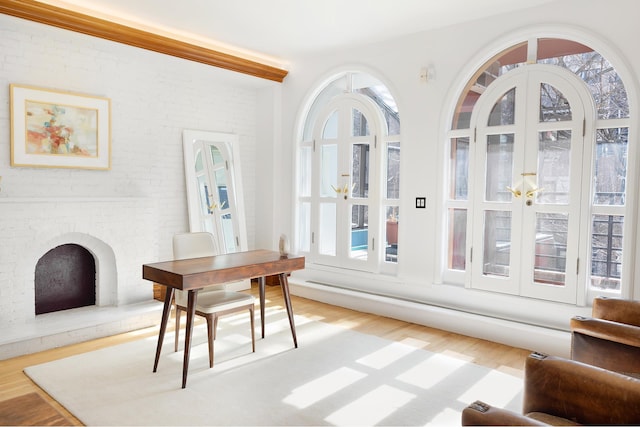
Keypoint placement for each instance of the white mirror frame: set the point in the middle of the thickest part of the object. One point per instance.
(230, 141)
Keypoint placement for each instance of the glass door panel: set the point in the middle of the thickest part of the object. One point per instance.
(360, 125)
(606, 251)
(327, 210)
(551, 248)
(228, 233)
(612, 145)
(392, 210)
(497, 243)
(360, 171)
(221, 186)
(329, 170)
(304, 175)
(359, 246)
(330, 130)
(504, 111)
(499, 176)
(304, 227)
(554, 167)
(457, 239)
(327, 241)
(391, 233)
(393, 171)
(216, 155)
(554, 107)
(203, 191)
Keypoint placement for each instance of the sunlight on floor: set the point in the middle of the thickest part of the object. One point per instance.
(318, 389)
(457, 355)
(378, 404)
(432, 371)
(448, 417)
(496, 387)
(372, 407)
(386, 355)
(348, 324)
(414, 342)
(511, 371)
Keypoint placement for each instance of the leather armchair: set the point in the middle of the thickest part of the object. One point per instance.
(610, 338)
(560, 391)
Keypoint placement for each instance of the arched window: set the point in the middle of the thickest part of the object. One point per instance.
(348, 185)
(538, 165)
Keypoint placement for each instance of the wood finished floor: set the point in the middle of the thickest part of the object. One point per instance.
(16, 387)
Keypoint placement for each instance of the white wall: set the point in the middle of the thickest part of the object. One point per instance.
(453, 53)
(153, 98)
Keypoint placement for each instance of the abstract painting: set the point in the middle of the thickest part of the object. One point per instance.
(59, 129)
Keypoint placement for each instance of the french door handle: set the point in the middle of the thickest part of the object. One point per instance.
(516, 193)
(533, 191)
(342, 190)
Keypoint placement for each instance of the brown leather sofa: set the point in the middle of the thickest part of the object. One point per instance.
(559, 391)
(610, 338)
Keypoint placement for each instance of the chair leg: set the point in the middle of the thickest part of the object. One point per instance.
(178, 315)
(215, 326)
(212, 321)
(253, 329)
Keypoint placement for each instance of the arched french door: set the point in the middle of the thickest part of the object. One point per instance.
(529, 208)
(345, 207)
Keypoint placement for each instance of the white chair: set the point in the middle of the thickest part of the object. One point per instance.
(211, 302)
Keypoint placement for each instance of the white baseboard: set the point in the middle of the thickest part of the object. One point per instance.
(515, 334)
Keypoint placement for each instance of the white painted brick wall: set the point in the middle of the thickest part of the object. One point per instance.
(154, 98)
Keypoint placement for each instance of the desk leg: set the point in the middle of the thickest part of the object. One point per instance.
(284, 284)
(191, 311)
(261, 283)
(163, 324)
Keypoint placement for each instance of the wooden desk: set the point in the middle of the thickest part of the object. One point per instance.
(194, 274)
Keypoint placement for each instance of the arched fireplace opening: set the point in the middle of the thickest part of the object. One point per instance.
(65, 278)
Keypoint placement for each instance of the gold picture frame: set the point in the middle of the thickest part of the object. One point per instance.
(56, 129)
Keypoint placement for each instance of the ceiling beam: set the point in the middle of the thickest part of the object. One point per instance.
(74, 21)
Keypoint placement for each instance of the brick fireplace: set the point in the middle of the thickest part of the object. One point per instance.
(120, 234)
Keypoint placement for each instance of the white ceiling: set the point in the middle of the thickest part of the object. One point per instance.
(278, 30)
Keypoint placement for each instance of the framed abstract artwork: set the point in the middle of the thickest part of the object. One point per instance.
(56, 129)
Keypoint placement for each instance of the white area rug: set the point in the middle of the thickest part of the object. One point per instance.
(335, 377)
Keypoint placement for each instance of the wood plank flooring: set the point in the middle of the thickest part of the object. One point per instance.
(16, 385)
(30, 409)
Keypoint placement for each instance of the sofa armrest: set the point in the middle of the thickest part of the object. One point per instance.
(607, 330)
(482, 414)
(579, 392)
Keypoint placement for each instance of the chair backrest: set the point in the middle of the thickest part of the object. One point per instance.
(194, 245)
(617, 310)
